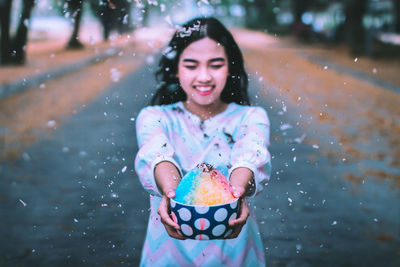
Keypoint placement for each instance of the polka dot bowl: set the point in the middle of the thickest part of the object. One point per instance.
(205, 222)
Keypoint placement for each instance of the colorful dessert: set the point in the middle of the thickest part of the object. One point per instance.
(204, 185)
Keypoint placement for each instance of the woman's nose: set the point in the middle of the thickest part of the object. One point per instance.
(204, 75)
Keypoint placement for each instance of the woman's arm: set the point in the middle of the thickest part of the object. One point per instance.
(242, 182)
(167, 178)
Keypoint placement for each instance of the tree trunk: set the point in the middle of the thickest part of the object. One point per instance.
(5, 11)
(76, 10)
(355, 32)
(21, 38)
(397, 14)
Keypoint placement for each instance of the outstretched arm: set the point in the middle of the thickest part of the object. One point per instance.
(242, 181)
(167, 179)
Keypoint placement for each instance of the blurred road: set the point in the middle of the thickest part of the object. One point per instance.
(71, 197)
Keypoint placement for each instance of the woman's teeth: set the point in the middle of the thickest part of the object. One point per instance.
(203, 88)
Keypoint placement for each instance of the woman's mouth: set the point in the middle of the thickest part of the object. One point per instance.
(204, 90)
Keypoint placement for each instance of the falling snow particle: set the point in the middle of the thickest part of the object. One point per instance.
(22, 202)
(375, 220)
(315, 146)
(285, 126)
(162, 7)
(294, 159)
(374, 70)
(115, 75)
(325, 67)
(334, 223)
(51, 123)
(123, 169)
(168, 20)
(75, 220)
(356, 59)
(132, 119)
(300, 139)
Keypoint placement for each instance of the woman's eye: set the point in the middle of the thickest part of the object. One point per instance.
(216, 66)
(190, 67)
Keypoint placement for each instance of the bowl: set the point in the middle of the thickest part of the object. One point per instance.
(205, 222)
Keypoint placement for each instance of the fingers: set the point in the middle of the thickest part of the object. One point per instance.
(164, 212)
(238, 223)
(169, 220)
(238, 191)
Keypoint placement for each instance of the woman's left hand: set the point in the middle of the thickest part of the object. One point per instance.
(242, 182)
(238, 223)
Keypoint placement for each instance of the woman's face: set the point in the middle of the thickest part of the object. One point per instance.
(202, 72)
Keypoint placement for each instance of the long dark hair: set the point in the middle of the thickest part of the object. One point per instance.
(169, 90)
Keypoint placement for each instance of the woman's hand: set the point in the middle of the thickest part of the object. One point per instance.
(242, 182)
(238, 223)
(167, 218)
(167, 178)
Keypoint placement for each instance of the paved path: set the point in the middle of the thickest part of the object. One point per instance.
(74, 199)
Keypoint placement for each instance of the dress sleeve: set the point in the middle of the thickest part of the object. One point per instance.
(251, 146)
(154, 146)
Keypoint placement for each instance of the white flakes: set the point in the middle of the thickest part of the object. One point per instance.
(51, 123)
(315, 146)
(290, 200)
(150, 59)
(374, 70)
(294, 159)
(162, 7)
(285, 126)
(65, 149)
(334, 223)
(325, 67)
(132, 119)
(22, 202)
(375, 220)
(300, 139)
(168, 20)
(115, 75)
(104, 205)
(75, 220)
(355, 59)
(124, 169)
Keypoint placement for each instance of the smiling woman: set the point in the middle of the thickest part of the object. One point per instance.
(200, 115)
(203, 77)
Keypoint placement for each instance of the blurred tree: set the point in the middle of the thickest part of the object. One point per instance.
(13, 49)
(353, 25)
(113, 14)
(397, 15)
(299, 28)
(259, 13)
(74, 7)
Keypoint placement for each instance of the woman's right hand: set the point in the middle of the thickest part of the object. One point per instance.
(168, 218)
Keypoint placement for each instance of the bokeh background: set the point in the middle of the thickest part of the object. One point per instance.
(75, 74)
